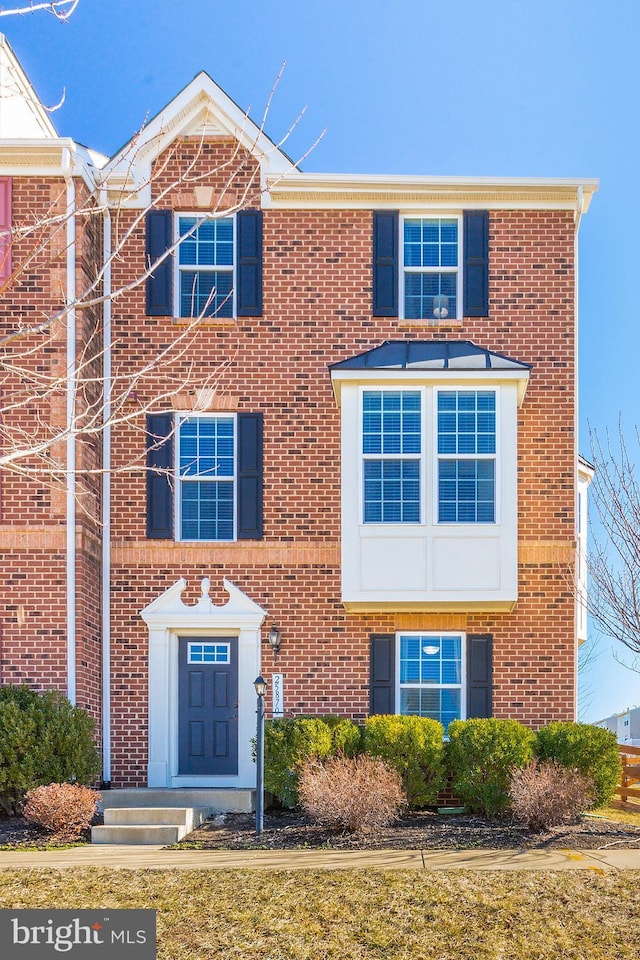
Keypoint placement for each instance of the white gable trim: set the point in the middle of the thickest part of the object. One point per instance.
(23, 113)
(169, 618)
(202, 108)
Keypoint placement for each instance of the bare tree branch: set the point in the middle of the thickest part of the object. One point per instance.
(61, 9)
(614, 554)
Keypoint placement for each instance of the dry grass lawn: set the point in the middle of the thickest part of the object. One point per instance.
(353, 915)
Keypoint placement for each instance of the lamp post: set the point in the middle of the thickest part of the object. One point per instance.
(260, 685)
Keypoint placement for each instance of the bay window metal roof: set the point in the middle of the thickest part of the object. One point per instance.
(430, 355)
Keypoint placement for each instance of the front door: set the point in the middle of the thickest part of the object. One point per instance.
(208, 706)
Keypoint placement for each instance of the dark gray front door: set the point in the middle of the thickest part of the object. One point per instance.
(208, 706)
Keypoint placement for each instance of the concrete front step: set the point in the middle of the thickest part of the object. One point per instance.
(216, 800)
(189, 817)
(138, 825)
(130, 834)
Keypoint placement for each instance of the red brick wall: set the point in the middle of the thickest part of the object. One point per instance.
(317, 310)
(33, 616)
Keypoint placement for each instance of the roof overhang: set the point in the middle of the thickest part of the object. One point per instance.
(398, 363)
(61, 157)
(352, 191)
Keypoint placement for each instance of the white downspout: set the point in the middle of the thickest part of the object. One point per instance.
(106, 495)
(70, 424)
(576, 423)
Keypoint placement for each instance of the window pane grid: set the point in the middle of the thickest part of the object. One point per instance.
(206, 471)
(430, 262)
(431, 676)
(205, 267)
(466, 481)
(391, 447)
(208, 653)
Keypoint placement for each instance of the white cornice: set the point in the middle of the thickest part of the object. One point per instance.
(371, 191)
(46, 158)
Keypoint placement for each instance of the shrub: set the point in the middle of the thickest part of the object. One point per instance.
(43, 739)
(482, 756)
(412, 746)
(346, 736)
(288, 743)
(545, 794)
(592, 751)
(355, 794)
(66, 809)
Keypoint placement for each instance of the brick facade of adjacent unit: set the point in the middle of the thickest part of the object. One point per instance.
(317, 310)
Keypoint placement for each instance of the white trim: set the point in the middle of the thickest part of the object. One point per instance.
(168, 618)
(428, 457)
(71, 414)
(496, 457)
(106, 499)
(403, 270)
(462, 686)
(178, 480)
(179, 268)
(483, 378)
(362, 456)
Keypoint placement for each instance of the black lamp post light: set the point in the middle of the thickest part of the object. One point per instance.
(260, 685)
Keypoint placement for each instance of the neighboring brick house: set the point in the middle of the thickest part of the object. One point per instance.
(368, 444)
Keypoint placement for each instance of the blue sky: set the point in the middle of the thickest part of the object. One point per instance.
(486, 87)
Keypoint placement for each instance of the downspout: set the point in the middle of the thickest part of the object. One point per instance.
(70, 425)
(576, 426)
(106, 495)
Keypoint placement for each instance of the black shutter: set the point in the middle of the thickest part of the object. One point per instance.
(385, 263)
(479, 670)
(159, 283)
(382, 674)
(476, 263)
(159, 474)
(249, 263)
(249, 476)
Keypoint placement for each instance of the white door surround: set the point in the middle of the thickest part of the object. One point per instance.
(167, 618)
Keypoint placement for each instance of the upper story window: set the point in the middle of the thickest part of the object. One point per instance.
(399, 455)
(391, 446)
(431, 275)
(205, 266)
(433, 268)
(466, 456)
(206, 469)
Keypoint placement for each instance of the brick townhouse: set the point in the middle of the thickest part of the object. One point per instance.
(356, 474)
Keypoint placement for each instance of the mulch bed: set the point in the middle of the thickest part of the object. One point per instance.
(287, 830)
(17, 833)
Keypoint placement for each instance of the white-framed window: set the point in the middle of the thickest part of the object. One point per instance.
(431, 675)
(204, 264)
(205, 477)
(401, 458)
(466, 451)
(431, 274)
(391, 451)
(198, 652)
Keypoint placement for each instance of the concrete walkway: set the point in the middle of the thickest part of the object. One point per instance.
(157, 858)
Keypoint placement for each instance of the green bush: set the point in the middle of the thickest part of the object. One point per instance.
(413, 746)
(482, 755)
(346, 736)
(288, 743)
(592, 751)
(43, 739)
